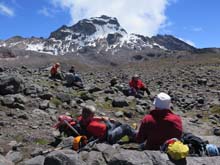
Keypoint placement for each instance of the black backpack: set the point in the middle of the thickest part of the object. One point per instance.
(195, 143)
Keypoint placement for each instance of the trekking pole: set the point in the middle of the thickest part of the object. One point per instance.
(73, 129)
(90, 144)
(50, 150)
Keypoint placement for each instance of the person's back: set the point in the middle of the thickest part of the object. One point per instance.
(160, 125)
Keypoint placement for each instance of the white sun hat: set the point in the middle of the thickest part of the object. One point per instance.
(162, 101)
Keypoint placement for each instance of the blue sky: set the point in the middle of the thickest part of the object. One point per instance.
(194, 21)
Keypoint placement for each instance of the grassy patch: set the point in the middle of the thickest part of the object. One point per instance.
(215, 109)
(56, 101)
(19, 138)
(106, 105)
(41, 141)
(132, 104)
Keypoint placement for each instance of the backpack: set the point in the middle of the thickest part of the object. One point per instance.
(79, 142)
(195, 143)
(175, 149)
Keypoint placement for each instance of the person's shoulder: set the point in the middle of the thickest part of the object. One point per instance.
(176, 116)
(147, 118)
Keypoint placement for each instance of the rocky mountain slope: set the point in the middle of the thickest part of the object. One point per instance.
(101, 34)
(30, 103)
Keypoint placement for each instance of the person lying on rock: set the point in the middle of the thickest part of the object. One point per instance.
(55, 72)
(103, 128)
(73, 79)
(160, 125)
(137, 87)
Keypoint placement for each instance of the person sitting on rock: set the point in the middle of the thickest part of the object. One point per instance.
(137, 87)
(55, 72)
(160, 125)
(72, 69)
(73, 79)
(113, 81)
(104, 128)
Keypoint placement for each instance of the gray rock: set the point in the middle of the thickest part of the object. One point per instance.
(140, 109)
(64, 97)
(23, 115)
(203, 160)
(202, 81)
(216, 132)
(38, 160)
(46, 96)
(4, 161)
(20, 99)
(94, 89)
(10, 84)
(87, 96)
(8, 101)
(119, 102)
(14, 156)
(119, 114)
(64, 157)
(66, 142)
(51, 111)
(44, 105)
(93, 158)
(33, 89)
(109, 91)
(128, 157)
(39, 112)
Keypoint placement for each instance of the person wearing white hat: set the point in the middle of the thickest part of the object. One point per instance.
(160, 125)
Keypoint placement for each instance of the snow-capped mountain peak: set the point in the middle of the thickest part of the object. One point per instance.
(101, 33)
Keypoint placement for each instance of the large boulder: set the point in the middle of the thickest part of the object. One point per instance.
(63, 157)
(11, 84)
(4, 161)
(38, 160)
(119, 102)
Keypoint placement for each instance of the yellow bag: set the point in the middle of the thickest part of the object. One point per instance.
(79, 142)
(177, 150)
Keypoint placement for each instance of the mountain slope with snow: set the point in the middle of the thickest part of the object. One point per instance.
(100, 33)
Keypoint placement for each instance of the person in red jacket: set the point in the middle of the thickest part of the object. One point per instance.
(137, 87)
(55, 71)
(160, 125)
(103, 128)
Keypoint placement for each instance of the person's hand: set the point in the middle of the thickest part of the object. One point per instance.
(107, 118)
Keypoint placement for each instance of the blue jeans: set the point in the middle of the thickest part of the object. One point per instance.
(117, 132)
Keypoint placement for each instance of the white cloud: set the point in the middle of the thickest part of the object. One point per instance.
(188, 42)
(197, 29)
(45, 11)
(142, 16)
(6, 10)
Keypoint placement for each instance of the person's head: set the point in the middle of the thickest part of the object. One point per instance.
(72, 67)
(135, 77)
(162, 101)
(114, 78)
(57, 64)
(88, 111)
